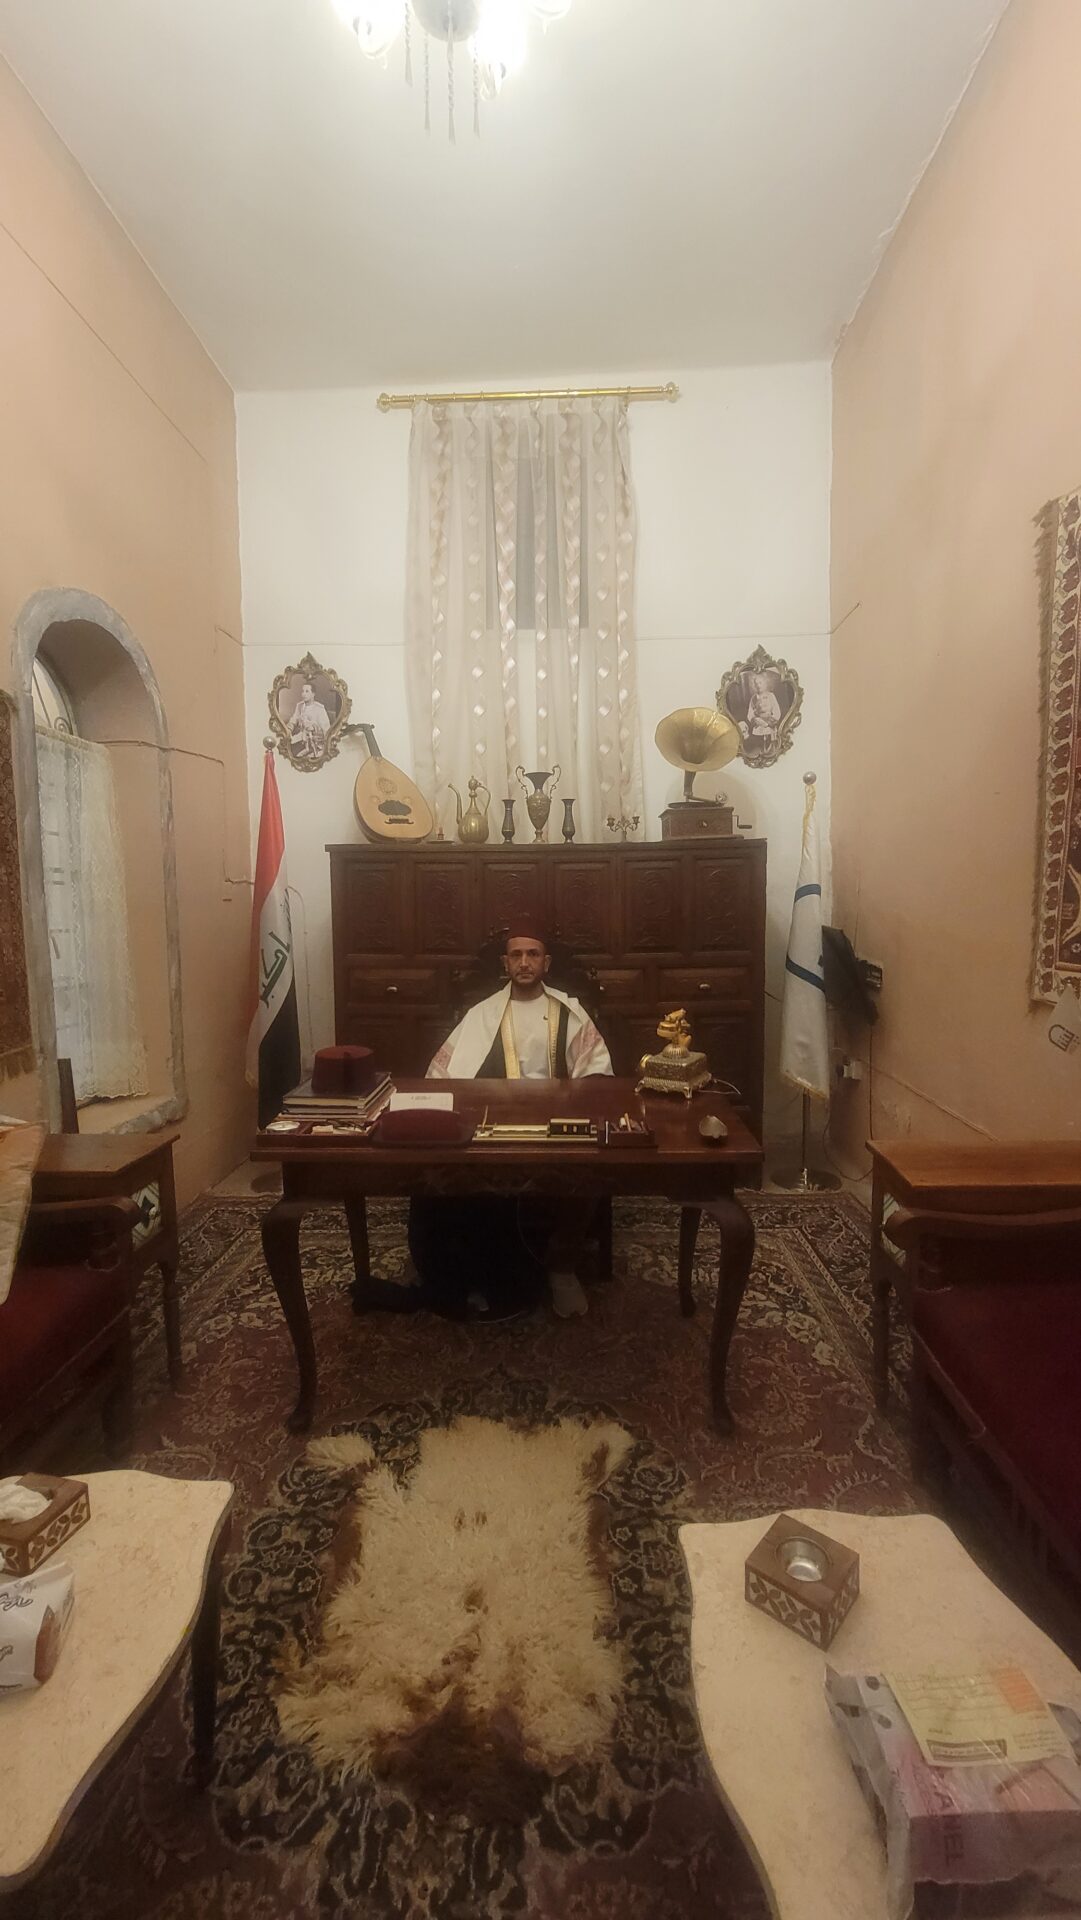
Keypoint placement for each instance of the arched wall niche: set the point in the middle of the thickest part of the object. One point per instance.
(112, 685)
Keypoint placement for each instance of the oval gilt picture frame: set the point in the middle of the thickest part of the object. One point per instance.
(763, 697)
(309, 706)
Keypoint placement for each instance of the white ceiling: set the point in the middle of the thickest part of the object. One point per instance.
(666, 184)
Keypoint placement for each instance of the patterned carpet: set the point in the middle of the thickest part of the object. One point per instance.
(640, 1835)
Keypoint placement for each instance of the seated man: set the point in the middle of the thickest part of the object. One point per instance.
(527, 1030)
(489, 1257)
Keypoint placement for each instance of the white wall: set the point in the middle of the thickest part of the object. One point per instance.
(732, 484)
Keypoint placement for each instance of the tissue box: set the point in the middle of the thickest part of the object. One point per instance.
(35, 1614)
(24, 1544)
(995, 1838)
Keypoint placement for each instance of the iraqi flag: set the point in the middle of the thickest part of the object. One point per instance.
(273, 1062)
(805, 1052)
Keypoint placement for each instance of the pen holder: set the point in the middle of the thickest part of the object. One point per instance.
(617, 1136)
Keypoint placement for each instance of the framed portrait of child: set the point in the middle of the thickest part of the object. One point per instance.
(762, 697)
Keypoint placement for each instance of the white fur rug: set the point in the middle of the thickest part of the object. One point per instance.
(471, 1609)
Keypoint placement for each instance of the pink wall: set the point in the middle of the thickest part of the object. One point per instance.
(957, 414)
(119, 478)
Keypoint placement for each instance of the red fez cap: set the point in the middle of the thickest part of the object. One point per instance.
(526, 926)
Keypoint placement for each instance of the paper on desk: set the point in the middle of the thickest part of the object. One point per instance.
(969, 1719)
(434, 1102)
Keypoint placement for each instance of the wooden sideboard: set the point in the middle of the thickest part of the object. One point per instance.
(661, 925)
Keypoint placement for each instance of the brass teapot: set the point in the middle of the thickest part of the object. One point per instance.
(473, 822)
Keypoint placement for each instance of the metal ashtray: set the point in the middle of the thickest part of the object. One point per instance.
(803, 1559)
(713, 1131)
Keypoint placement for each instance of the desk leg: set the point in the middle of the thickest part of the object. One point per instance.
(880, 1296)
(690, 1219)
(356, 1215)
(281, 1247)
(170, 1306)
(205, 1640)
(737, 1252)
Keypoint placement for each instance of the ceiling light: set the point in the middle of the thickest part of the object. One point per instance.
(376, 23)
(500, 42)
(495, 33)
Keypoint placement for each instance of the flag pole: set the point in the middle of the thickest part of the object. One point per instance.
(805, 1178)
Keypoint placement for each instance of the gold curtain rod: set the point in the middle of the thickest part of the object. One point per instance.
(389, 401)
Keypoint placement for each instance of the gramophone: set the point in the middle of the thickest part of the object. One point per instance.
(697, 740)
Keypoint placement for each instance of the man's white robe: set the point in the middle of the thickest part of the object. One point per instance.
(464, 1051)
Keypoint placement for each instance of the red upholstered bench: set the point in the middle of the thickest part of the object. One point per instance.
(996, 1322)
(65, 1328)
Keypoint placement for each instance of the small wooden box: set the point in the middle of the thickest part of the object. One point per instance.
(803, 1579)
(636, 1136)
(696, 820)
(24, 1544)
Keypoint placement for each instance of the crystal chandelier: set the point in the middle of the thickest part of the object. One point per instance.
(495, 33)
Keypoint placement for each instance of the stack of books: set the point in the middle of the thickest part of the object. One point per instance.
(303, 1104)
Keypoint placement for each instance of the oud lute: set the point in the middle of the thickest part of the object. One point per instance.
(388, 804)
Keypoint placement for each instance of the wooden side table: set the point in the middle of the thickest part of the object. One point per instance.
(133, 1166)
(985, 1176)
(147, 1568)
(779, 1762)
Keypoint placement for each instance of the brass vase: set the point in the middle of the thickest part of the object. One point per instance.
(538, 803)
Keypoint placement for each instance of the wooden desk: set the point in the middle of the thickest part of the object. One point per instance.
(986, 1176)
(320, 1168)
(779, 1761)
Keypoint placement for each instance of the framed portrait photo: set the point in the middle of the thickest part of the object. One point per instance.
(309, 707)
(762, 696)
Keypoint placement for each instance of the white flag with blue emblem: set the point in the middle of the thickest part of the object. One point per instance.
(805, 1050)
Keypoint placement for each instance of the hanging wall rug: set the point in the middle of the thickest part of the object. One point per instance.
(1058, 884)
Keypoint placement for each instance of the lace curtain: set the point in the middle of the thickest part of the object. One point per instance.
(87, 913)
(520, 606)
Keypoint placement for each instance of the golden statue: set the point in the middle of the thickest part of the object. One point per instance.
(678, 1068)
(675, 1028)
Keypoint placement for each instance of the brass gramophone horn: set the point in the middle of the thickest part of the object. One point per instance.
(697, 740)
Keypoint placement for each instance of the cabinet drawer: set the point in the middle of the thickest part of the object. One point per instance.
(622, 986)
(653, 905)
(403, 984)
(369, 904)
(690, 986)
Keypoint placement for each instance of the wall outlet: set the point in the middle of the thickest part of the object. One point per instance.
(852, 1070)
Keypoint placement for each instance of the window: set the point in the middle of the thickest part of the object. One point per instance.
(85, 902)
(52, 706)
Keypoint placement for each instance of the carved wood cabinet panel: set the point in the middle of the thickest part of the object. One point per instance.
(660, 927)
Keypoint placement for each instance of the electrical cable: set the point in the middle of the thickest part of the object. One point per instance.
(854, 1178)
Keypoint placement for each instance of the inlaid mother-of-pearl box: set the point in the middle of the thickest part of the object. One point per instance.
(803, 1579)
(24, 1544)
